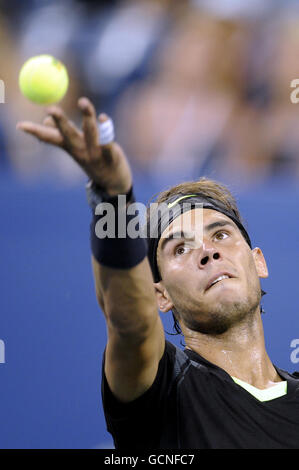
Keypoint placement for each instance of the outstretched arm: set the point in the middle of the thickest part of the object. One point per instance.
(135, 332)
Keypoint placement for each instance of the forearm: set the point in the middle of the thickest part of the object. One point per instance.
(127, 297)
(123, 277)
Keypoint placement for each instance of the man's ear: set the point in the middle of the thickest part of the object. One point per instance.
(260, 263)
(163, 299)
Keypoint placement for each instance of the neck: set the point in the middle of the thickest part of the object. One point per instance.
(240, 351)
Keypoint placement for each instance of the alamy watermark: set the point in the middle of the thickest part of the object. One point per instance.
(294, 94)
(295, 353)
(2, 92)
(135, 221)
(2, 352)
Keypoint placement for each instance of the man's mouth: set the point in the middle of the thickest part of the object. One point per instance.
(217, 278)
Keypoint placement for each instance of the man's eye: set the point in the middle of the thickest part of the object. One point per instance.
(221, 235)
(180, 250)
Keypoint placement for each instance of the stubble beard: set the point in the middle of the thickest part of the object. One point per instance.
(220, 320)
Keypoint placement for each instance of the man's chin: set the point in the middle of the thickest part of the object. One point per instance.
(214, 326)
(222, 316)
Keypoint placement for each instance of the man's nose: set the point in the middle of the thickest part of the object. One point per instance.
(208, 254)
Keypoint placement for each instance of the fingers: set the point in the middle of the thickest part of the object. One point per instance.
(49, 121)
(69, 131)
(42, 132)
(56, 129)
(103, 117)
(90, 127)
(106, 129)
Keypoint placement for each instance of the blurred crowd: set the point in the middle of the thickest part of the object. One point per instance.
(195, 87)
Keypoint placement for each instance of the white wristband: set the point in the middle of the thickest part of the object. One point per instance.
(106, 130)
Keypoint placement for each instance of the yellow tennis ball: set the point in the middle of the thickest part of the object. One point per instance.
(43, 79)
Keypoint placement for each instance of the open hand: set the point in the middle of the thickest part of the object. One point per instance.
(106, 165)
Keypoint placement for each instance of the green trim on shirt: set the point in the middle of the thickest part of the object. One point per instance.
(276, 391)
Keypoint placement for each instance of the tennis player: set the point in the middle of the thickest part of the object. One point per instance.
(222, 390)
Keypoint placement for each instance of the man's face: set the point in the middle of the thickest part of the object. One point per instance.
(213, 246)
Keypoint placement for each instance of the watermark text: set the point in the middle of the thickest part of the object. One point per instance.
(135, 221)
(295, 353)
(2, 92)
(2, 352)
